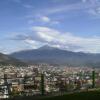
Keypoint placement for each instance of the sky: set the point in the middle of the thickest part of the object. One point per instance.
(66, 24)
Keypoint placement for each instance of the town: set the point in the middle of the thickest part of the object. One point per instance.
(44, 79)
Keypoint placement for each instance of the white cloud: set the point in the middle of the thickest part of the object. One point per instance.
(33, 44)
(49, 21)
(88, 6)
(45, 19)
(46, 33)
(94, 9)
(42, 19)
(63, 40)
(67, 40)
(63, 8)
(56, 22)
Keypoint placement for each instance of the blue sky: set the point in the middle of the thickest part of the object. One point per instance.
(67, 24)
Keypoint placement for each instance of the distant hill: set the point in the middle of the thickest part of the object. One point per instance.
(51, 55)
(7, 60)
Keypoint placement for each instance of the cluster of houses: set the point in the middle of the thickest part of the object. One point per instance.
(37, 80)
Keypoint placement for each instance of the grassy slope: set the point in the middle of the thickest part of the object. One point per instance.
(93, 95)
(78, 96)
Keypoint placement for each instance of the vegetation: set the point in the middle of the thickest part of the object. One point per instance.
(91, 95)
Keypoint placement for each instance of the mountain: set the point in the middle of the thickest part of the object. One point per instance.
(51, 55)
(46, 47)
(7, 60)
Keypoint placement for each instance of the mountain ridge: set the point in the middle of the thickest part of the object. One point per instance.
(8, 60)
(53, 55)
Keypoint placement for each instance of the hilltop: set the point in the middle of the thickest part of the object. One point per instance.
(52, 55)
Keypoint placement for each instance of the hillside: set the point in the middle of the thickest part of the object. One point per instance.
(90, 95)
(53, 55)
(7, 60)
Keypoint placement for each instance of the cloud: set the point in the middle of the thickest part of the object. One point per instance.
(34, 44)
(63, 40)
(42, 19)
(62, 8)
(25, 5)
(48, 20)
(55, 22)
(94, 9)
(44, 12)
(91, 7)
(45, 19)
(68, 40)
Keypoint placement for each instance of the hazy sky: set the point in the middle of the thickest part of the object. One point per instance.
(67, 24)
